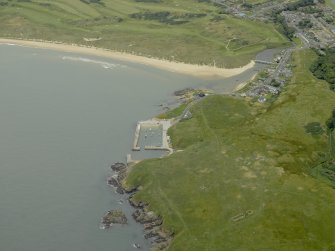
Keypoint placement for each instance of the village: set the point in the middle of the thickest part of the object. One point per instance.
(307, 23)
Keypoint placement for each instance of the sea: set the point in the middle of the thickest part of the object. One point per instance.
(64, 119)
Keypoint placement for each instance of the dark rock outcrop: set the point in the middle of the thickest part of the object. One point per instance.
(120, 170)
(152, 225)
(183, 91)
(118, 166)
(152, 222)
(113, 217)
(112, 181)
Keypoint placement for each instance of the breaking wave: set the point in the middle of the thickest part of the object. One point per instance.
(103, 64)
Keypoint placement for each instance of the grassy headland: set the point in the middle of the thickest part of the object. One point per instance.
(242, 180)
(188, 31)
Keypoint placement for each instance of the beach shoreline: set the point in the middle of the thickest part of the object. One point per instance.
(201, 71)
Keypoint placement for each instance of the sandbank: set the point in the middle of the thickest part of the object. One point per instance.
(202, 71)
(244, 84)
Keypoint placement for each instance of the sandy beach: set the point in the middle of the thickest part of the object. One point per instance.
(202, 71)
(244, 84)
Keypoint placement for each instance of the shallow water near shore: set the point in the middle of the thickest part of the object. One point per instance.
(63, 122)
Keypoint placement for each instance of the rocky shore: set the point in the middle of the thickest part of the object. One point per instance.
(152, 223)
(120, 173)
(113, 217)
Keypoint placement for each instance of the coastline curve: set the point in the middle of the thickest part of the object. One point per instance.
(200, 71)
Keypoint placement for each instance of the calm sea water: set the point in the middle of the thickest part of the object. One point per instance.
(63, 120)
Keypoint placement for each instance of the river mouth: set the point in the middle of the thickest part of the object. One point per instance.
(229, 85)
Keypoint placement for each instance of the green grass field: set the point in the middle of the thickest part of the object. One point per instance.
(242, 180)
(331, 3)
(189, 31)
